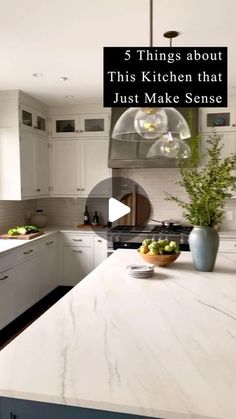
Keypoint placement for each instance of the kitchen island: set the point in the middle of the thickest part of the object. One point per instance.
(162, 347)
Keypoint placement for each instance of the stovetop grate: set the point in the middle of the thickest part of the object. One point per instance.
(152, 228)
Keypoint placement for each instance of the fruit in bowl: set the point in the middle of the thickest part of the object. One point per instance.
(160, 252)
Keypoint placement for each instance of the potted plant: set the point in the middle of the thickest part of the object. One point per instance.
(208, 189)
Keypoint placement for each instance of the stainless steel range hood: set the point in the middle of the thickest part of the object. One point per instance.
(130, 155)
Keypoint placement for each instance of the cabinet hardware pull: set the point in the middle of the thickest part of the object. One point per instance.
(233, 125)
(82, 189)
(28, 251)
(77, 251)
(77, 240)
(77, 130)
(13, 416)
(78, 189)
(5, 277)
(47, 244)
(99, 241)
(81, 130)
(38, 190)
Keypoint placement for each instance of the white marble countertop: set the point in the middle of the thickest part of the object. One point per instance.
(6, 245)
(160, 347)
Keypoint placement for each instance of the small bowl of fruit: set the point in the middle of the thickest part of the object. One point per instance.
(160, 252)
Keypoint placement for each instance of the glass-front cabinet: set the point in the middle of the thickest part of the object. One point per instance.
(33, 120)
(220, 119)
(85, 125)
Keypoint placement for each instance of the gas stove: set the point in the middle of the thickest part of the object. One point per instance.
(131, 237)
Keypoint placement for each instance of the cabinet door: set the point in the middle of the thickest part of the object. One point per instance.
(100, 250)
(94, 125)
(42, 166)
(65, 126)
(49, 262)
(26, 290)
(7, 286)
(28, 165)
(94, 166)
(77, 263)
(64, 168)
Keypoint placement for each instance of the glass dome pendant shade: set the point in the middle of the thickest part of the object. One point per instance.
(149, 124)
(169, 146)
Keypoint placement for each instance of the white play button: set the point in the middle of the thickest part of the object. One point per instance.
(117, 210)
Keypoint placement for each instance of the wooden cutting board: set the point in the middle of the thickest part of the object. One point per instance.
(22, 236)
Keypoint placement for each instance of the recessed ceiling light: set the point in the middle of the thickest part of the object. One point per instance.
(69, 97)
(64, 78)
(38, 74)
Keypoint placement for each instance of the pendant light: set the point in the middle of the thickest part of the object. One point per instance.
(149, 124)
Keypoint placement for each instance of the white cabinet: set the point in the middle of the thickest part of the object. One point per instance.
(63, 168)
(34, 165)
(77, 166)
(227, 245)
(99, 250)
(7, 286)
(82, 253)
(84, 125)
(24, 164)
(49, 262)
(223, 120)
(33, 120)
(78, 257)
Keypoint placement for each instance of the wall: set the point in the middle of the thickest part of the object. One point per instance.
(68, 212)
(157, 181)
(14, 213)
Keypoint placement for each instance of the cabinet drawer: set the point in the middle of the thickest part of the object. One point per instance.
(78, 239)
(227, 246)
(27, 252)
(6, 260)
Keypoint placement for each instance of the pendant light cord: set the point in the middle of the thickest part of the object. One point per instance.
(151, 23)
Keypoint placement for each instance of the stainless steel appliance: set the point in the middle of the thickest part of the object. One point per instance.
(131, 237)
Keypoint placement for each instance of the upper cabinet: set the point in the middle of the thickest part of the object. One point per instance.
(24, 162)
(80, 126)
(222, 120)
(77, 166)
(33, 120)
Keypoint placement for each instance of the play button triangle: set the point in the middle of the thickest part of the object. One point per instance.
(116, 209)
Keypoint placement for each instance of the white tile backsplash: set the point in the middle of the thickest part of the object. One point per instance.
(68, 212)
(14, 213)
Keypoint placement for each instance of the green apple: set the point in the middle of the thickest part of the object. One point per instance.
(147, 242)
(168, 248)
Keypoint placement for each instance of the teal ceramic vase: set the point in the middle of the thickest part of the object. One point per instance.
(204, 243)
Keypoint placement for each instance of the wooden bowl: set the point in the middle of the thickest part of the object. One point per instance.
(160, 260)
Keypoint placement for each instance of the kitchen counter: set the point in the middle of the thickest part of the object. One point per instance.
(162, 347)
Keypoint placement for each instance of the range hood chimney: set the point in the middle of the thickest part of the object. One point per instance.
(134, 154)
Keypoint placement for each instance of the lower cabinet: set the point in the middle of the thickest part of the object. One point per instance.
(26, 290)
(82, 253)
(30, 272)
(78, 262)
(227, 245)
(99, 250)
(8, 281)
(49, 265)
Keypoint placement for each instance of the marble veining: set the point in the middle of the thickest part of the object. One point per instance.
(160, 347)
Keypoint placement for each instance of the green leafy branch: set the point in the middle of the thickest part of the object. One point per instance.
(209, 188)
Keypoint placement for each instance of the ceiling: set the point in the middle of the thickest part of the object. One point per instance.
(66, 38)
